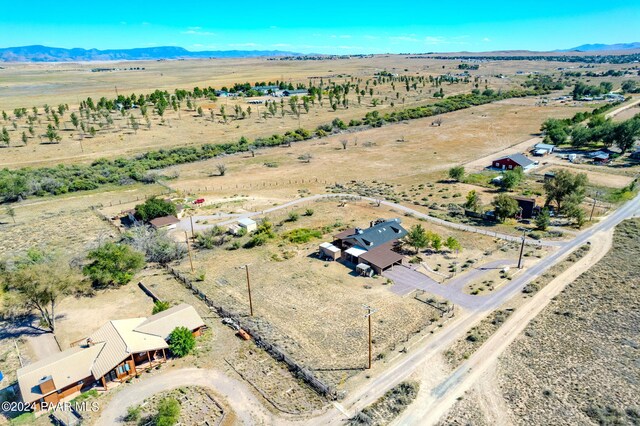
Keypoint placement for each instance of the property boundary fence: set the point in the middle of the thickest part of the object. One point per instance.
(273, 350)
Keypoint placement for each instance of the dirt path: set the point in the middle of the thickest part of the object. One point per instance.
(491, 402)
(247, 408)
(430, 407)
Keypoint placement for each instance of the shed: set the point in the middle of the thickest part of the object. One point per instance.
(364, 269)
(527, 206)
(544, 148)
(329, 251)
(168, 222)
(249, 224)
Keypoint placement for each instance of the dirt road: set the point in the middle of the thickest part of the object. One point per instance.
(430, 406)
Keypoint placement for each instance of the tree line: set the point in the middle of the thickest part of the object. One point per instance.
(25, 182)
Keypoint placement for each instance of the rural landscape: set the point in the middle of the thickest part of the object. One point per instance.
(269, 237)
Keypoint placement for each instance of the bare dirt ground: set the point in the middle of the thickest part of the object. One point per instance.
(576, 362)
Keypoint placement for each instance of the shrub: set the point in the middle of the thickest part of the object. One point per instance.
(159, 306)
(302, 235)
(181, 341)
(133, 414)
(293, 217)
(168, 412)
(157, 245)
(113, 264)
(308, 212)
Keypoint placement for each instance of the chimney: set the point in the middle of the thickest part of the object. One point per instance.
(89, 341)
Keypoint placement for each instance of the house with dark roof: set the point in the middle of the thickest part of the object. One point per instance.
(512, 161)
(371, 249)
(114, 353)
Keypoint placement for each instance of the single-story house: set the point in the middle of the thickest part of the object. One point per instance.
(372, 246)
(249, 224)
(168, 222)
(599, 156)
(266, 89)
(510, 162)
(329, 251)
(542, 149)
(113, 353)
(527, 207)
(296, 92)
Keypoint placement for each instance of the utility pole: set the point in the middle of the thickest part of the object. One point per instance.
(593, 207)
(191, 219)
(246, 267)
(521, 251)
(370, 312)
(186, 240)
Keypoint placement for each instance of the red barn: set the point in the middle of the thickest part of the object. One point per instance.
(510, 162)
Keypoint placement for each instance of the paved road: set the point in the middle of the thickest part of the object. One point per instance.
(407, 280)
(222, 219)
(435, 401)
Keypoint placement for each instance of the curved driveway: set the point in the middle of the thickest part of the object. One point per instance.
(245, 405)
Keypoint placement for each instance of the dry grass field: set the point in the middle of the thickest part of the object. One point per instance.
(34, 85)
(577, 361)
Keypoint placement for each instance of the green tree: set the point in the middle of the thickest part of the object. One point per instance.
(453, 244)
(563, 185)
(113, 264)
(436, 242)
(52, 135)
(181, 341)
(25, 139)
(580, 136)
(504, 207)
(473, 201)
(417, 237)
(512, 178)
(159, 306)
(456, 173)
(625, 134)
(75, 121)
(155, 207)
(543, 220)
(38, 284)
(6, 139)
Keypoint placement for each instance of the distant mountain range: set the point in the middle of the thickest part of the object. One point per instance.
(57, 54)
(39, 53)
(600, 47)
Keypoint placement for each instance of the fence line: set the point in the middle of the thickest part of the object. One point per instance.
(273, 350)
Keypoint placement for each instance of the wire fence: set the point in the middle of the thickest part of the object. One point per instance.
(272, 349)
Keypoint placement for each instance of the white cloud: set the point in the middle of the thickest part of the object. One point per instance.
(281, 45)
(198, 31)
(486, 39)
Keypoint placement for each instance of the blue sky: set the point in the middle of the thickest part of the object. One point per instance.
(326, 26)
